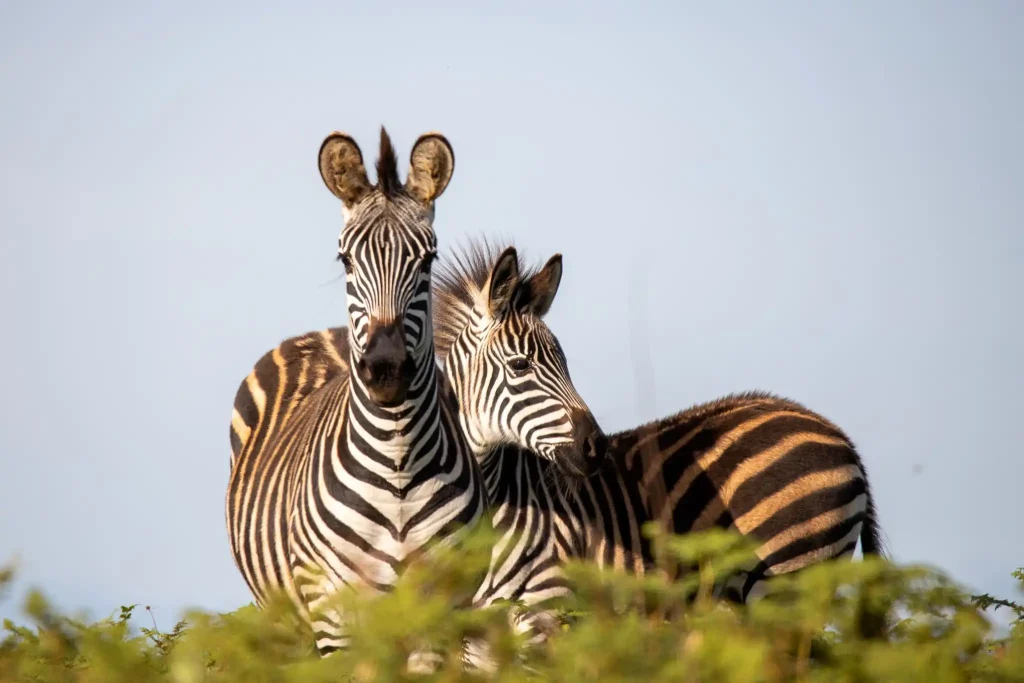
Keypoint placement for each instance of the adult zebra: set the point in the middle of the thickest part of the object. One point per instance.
(764, 465)
(353, 473)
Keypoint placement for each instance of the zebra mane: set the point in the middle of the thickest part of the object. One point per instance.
(387, 166)
(458, 286)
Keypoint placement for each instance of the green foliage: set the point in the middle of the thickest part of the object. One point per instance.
(823, 624)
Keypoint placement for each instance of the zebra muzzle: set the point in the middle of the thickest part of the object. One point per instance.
(585, 455)
(386, 368)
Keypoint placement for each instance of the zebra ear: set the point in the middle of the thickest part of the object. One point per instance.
(432, 163)
(502, 283)
(538, 293)
(342, 170)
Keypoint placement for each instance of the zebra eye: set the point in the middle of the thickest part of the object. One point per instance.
(519, 365)
(345, 261)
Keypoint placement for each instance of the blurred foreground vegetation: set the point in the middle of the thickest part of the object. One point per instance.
(812, 627)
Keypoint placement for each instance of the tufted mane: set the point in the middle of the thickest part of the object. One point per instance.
(387, 166)
(458, 284)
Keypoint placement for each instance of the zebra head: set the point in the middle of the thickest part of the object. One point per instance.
(387, 246)
(506, 369)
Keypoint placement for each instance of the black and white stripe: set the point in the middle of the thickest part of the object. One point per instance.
(346, 462)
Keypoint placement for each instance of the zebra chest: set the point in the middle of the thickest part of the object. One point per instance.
(392, 515)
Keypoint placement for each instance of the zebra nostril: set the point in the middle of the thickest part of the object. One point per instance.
(596, 446)
(379, 369)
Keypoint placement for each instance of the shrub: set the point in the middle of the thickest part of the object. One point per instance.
(820, 624)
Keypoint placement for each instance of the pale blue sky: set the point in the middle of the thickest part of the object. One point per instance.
(825, 201)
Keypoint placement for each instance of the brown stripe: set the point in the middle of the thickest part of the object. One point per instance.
(818, 554)
(708, 457)
(793, 492)
(759, 462)
(822, 522)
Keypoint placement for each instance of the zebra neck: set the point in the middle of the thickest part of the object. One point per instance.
(398, 438)
(481, 442)
(522, 484)
(483, 452)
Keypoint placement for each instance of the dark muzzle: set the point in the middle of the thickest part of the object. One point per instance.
(585, 455)
(386, 368)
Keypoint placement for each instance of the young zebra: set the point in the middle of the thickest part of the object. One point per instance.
(502, 362)
(354, 473)
(766, 466)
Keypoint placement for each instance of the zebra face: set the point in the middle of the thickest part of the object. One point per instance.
(536, 404)
(511, 377)
(387, 247)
